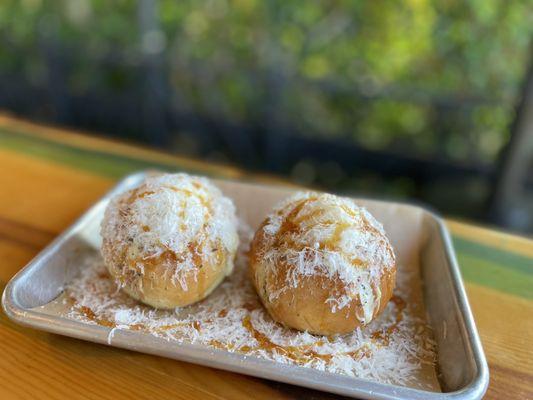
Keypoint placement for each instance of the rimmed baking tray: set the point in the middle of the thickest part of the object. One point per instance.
(419, 235)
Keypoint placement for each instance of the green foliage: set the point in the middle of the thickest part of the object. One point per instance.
(440, 77)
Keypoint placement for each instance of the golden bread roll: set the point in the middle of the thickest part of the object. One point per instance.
(322, 264)
(171, 241)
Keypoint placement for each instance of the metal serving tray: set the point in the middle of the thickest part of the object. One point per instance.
(462, 368)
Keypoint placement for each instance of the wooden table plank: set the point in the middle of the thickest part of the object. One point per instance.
(42, 194)
(30, 358)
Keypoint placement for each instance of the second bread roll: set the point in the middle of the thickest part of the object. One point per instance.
(322, 264)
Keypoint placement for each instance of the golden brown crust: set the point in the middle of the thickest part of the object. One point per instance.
(150, 280)
(306, 307)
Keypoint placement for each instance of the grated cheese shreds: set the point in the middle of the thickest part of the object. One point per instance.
(392, 349)
(169, 213)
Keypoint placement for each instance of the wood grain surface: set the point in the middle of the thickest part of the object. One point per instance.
(49, 177)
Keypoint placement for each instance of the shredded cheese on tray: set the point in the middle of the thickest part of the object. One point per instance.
(396, 348)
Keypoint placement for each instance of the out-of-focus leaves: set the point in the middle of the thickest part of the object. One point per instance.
(434, 77)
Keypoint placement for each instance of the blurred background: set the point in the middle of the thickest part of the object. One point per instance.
(423, 100)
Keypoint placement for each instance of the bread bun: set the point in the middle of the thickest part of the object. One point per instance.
(171, 241)
(322, 264)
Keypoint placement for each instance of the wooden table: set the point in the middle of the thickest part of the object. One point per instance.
(49, 177)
